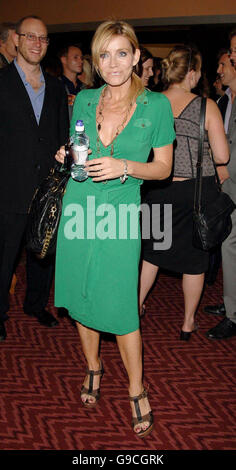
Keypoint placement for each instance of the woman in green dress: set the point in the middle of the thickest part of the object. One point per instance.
(98, 244)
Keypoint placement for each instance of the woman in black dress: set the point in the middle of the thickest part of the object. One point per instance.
(182, 70)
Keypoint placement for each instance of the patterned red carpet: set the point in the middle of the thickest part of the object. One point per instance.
(192, 385)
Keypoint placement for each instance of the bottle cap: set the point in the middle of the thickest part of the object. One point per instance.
(79, 126)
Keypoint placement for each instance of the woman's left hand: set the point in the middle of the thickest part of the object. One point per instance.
(104, 168)
(223, 173)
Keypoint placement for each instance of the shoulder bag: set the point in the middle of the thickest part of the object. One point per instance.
(45, 210)
(211, 222)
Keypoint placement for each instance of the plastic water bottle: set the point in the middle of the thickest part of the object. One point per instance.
(79, 151)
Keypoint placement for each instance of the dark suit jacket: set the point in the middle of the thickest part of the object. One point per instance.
(27, 149)
(3, 61)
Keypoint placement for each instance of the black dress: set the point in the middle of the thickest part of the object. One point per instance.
(174, 249)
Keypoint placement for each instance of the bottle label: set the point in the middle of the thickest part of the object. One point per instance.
(79, 154)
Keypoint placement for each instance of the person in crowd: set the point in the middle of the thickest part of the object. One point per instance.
(227, 75)
(145, 66)
(155, 82)
(7, 45)
(7, 54)
(71, 58)
(182, 70)
(226, 328)
(86, 77)
(34, 123)
(97, 275)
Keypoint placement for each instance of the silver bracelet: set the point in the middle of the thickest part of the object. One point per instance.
(125, 176)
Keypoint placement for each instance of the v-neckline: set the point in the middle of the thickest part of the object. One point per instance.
(106, 146)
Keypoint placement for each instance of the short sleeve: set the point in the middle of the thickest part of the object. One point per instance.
(163, 129)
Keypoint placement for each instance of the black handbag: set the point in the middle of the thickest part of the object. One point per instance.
(45, 211)
(211, 222)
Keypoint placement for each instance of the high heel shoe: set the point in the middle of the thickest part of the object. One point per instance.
(141, 419)
(89, 391)
(186, 335)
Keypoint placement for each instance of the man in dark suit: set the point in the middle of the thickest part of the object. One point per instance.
(227, 75)
(34, 124)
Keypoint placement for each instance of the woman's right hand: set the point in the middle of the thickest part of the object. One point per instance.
(60, 155)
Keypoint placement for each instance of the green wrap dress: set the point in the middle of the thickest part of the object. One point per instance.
(98, 246)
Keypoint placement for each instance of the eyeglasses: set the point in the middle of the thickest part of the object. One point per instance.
(33, 37)
(232, 50)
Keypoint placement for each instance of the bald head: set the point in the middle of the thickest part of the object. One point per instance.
(31, 41)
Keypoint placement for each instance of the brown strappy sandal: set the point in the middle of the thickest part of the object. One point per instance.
(141, 419)
(89, 391)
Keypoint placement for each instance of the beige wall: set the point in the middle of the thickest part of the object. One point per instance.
(159, 50)
(55, 12)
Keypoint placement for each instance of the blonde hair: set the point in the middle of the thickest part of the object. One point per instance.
(103, 35)
(178, 63)
(87, 70)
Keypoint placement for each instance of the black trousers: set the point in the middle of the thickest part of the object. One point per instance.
(39, 272)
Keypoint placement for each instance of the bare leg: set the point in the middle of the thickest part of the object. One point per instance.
(147, 278)
(192, 289)
(130, 347)
(90, 344)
